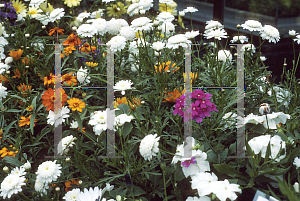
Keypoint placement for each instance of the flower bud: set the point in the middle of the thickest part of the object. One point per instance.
(142, 102)
(296, 187)
(264, 108)
(8, 72)
(27, 166)
(27, 48)
(79, 182)
(118, 198)
(74, 28)
(83, 95)
(156, 54)
(263, 58)
(142, 12)
(27, 35)
(2, 5)
(292, 33)
(26, 66)
(141, 7)
(6, 169)
(155, 23)
(238, 26)
(68, 160)
(43, 27)
(181, 13)
(57, 189)
(22, 46)
(163, 165)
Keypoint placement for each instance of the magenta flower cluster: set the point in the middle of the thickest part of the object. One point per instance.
(200, 106)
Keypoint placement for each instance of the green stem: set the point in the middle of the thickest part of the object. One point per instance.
(165, 188)
(251, 37)
(26, 198)
(131, 193)
(191, 21)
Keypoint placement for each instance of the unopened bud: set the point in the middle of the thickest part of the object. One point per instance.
(43, 27)
(296, 187)
(79, 182)
(27, 48)
(238, 26)
(163, 165)
(27, 35)
(181, 13)
(68, 160)
(6, 169)
(156, 54)
(27, 166)
(142, 12)
(57, 189)
(264, 108)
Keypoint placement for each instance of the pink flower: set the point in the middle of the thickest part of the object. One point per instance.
(187, 163)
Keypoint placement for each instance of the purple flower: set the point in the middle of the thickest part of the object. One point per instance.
(187, 163)
(198, 93)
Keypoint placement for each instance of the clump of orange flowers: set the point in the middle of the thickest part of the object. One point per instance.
(76, 104)
(17, 74)
(25, 121)
(16, 54)
(68, 50)
(27, 61)
(24, 89)
(3, 79)
(87, 48)
(69, 79)
(49, 98)
(6, 152)
(166, 67)
(49, 80)
(56, 29)
(72, 40)
(136, 102)
(70, 184)
(172, 96)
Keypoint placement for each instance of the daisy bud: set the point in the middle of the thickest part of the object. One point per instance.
(263, 58)
(43, 27)
(79, 182)
(235, 54)
(285, 64)
(155, 23)
(142, 102)
(27, 166)
(22, 46)
(7, 72)
(57, 189)
(27, 48)
(26, 66)
(212, 54)
(142, 12)
(156, 54)
(296, 187)
(68, 160)
(74, 28)
(204, 44)
(27, 35)
(181, 13)
(6, 169)
(238, 26)
(118, 198)
(159, 28)
(163, 165)
(292, 33)
(264, 108)
(136, 12)
(2, 5)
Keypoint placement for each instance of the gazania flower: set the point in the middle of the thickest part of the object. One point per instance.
(120, 101)
(91, 64)
(68, 50)
(172, 96)
(87, 48)
(25, 121)
(72, 3)
(5, 152)
(24, 89)
(49, 79)
(116, 10)
(72, 40)
(166, 67)
(16, 54)
(49, 98)
(19, 6)
(136, 103)
(56, 29)
(27, 61)
(70, 184)
(69, 79)
(3, 79)
(76, 104)
(17, 74)
(194, 76)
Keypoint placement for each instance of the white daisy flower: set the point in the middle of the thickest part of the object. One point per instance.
(100, 25)
(20, 171)
(149, 146)
(117, 43)
(56, 14)
(8, 60)
(128, 33)
(36, 3)
(59, 116)
(82, 76)
(27, 165)
(3, 92)
(82, 15)
(133, 8)
(224, 55)
(217, 34)
(74, 124)
(270, 33)
(99, 120)
(142, 23)
(86, 30)
(297, 39)
(40, 186)
(213, 25)
(191, 34)
(48, 171)
(249, 47)
(97, 14)
(252, 25)
(242, 39)
(65, 143)
(3, 41)
(90, 195)
(190, 9)
(158, 46)
(72, 195)
(123, 85)
(292, 33)
(167, 28)
(297, 162)
(146, 4)
(165, 17)
(115, 25)
(178, 40)
(166, 1)
(12, 184)
(44, 19)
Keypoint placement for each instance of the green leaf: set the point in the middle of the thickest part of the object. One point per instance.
(32, 123)
(124, 107)
(230, 171)
(137, 191)
(284, 188)
(43, 133)
(13, 110)
(178, 174)
(8, 127)
(259, 128)
(78, 119)
(33, 103)
(212, 157)
(12, 160)
(127, 129)
(268, 153)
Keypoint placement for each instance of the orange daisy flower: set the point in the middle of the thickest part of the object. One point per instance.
(56, 29)
(17, 74)
(1, 132)
(76, 104)
(72, 40)
(87, 48)
(24, 89)
(71, 183)
(5, 152)
(69, 79)
(136, 102)
(91, 64)
(16, 54)
(120, 101)
(25, 121)
(82, 129)
(26, 61)
(172, 96)
(49, 98)
(68, 50)
(49, 79)
(166, 67)
(3, 79)
(29, 108)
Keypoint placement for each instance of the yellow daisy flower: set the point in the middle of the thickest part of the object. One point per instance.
(19, 6)
(91, 64)
(116, 10)
(46, 9)
(72, 3)
(171, 8)
(34, 11)
(76, 104)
